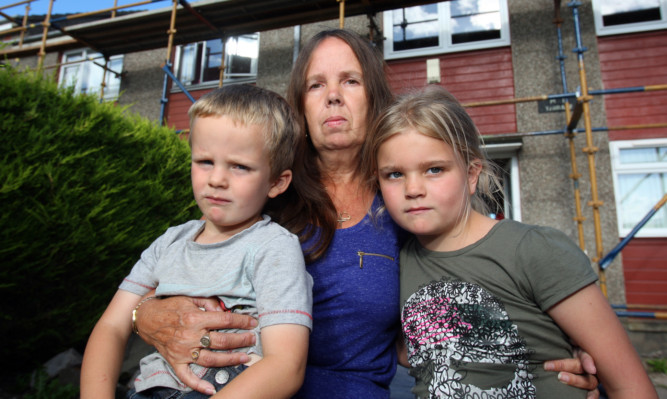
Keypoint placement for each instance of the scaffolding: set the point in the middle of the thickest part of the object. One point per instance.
(167, 65)
(577, 107)
(56, 23)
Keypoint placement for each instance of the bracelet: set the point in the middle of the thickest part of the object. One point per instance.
(134, 313)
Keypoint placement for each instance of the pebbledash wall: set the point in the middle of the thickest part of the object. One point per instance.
(539, 165)
(527, 67)
(530, 67)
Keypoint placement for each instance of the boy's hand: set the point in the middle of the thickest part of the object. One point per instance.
(175, 326)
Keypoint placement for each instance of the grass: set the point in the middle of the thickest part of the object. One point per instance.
(657, 365)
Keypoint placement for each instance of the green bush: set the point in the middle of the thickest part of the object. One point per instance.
(49, 388)
(84, 188)
(657, 365)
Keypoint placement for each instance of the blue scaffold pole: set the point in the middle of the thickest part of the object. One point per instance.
(607, 259)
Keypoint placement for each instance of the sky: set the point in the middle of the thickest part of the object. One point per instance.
(41, 7)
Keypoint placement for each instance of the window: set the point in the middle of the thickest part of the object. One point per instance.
(84, 70)
(450, 26)
(625, 16)
(640, 181)
(199, 63)
(504, 155)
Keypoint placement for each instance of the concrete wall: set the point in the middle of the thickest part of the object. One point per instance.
(141, 85)
(276, 49)
(30, 62)
(547, 192)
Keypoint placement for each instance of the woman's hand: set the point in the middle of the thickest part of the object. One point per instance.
(578, 372)
(175, 326)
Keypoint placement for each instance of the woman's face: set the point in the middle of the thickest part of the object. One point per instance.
(335, 102)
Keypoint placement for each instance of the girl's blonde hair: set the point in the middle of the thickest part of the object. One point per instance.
(434, 112)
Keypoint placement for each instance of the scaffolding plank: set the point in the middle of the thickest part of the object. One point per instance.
(148, 29)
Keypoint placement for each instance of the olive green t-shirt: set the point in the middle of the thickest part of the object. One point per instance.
(475, 319)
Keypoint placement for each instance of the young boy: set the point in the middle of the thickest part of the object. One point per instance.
(243, 141)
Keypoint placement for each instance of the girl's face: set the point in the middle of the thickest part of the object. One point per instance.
(425, 188)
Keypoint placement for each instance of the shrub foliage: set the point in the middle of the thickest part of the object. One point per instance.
(84, 188)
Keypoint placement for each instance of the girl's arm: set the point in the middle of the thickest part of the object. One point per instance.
(587, 318)
(280, 373)
(104, 353)
(402, 350)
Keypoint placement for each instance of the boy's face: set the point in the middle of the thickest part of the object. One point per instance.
(230, 174)
(424, 187)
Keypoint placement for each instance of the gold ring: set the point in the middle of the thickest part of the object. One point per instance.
(205, 341)
(195, 355)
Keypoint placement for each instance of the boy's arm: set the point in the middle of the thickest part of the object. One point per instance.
(106, 347)
(280, 373)
(587, 318)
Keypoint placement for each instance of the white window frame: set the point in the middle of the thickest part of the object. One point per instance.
(512, 190)
(618, 168)
(89, 59)
(445, 38)
(228, 78)
(602, 30)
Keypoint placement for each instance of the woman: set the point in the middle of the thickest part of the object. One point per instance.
(338, 87)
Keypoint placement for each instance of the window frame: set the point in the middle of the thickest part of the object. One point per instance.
(617, 169)
(510, 175)
(199, 62)
(445, 37)
(88, 59)
(602, 30)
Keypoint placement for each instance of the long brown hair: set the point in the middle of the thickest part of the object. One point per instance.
(378, 95)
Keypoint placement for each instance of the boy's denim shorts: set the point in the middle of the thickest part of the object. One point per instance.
(219, 377)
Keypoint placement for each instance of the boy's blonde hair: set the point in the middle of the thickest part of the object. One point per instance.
(252, 105)
(434, 112)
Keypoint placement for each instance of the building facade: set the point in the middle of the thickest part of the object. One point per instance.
(516, 65)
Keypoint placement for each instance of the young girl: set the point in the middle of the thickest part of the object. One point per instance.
(485, 302)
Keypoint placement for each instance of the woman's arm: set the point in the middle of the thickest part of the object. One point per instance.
(280, 373)
(175, 325)
(104, 353)
(588, 319)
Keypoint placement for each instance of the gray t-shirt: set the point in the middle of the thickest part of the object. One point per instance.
(475, 319)
(259, 271)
